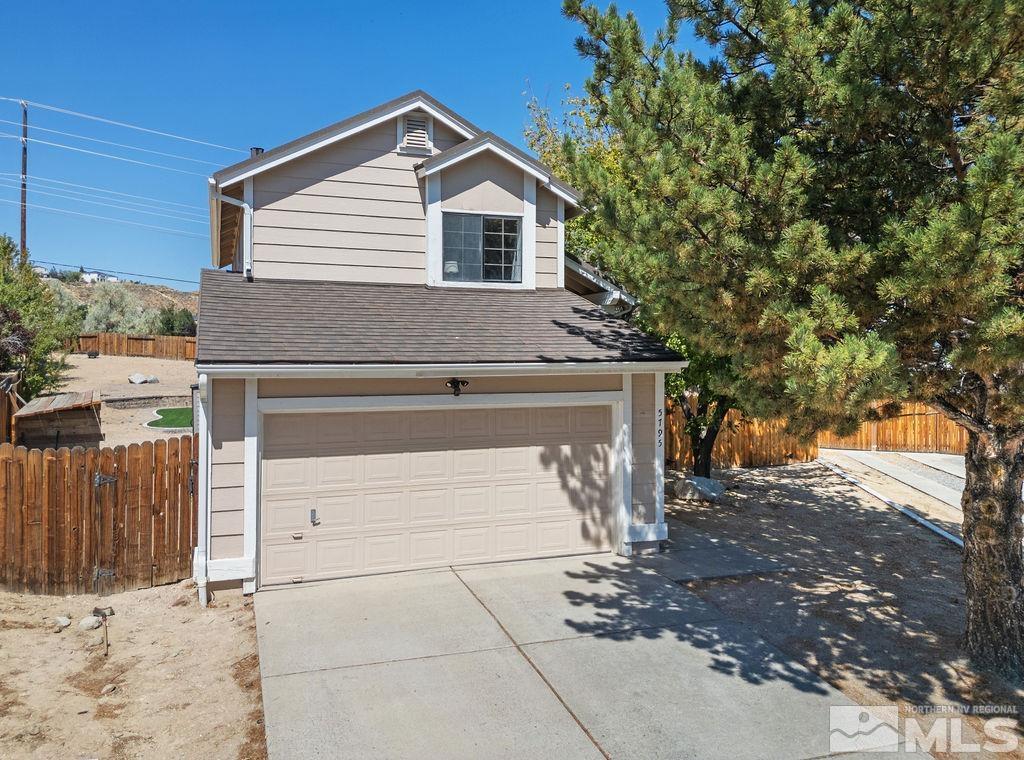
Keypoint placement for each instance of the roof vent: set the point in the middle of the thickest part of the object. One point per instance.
(417, 132)
(253, 152)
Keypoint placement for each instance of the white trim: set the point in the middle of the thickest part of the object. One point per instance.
(645, 532)
(250, 488)
(528, 232)
(413, 105)
(435, 240)
(247, 229)
(475, 212)
(625, 459)
(602, 283)
(229, 569)
(328, 404)
(659, 447)
(201, 552)
(560, 223)
(562, 194)
(434, 370)
(424, 171)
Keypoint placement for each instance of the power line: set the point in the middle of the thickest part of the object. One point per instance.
(101, 203)
(102, 155)
(103, 190)
(45, 185)
(115, 271)
(115, 144)
(108, 219)
(123, 124)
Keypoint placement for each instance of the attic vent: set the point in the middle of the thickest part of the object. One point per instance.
(416, 133)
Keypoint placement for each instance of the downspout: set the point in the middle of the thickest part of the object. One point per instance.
(246, 229)
(200, 553)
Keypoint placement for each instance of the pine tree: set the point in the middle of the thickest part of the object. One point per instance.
(835, 203)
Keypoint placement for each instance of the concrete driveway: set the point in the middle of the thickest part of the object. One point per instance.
(567, 658)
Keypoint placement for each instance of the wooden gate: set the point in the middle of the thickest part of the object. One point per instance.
(96, 520)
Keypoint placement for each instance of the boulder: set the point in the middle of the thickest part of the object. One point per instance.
(137, 378)
(62, 621)
(694, 488)
(89, 622)
(152, 379)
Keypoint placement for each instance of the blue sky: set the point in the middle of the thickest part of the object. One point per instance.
(241, 75)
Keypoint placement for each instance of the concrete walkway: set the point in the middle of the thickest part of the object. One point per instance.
(934, 474)
(571, 658)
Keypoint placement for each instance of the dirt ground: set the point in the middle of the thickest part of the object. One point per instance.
(874, 603)
(185, 680)
(108, 376)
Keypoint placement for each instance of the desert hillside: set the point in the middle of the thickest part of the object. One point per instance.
(151, 296)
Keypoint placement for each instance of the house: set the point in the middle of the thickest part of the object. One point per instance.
(399, 368)
(91, 278)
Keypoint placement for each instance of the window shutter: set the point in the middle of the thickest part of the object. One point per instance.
(417, 136)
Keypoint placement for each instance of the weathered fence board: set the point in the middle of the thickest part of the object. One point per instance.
(917, 428)
(96, 520)
(119, 344)
(743, 442)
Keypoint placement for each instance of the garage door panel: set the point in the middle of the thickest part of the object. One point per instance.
(401, 490)
(515, 500)
(385, 509)
(390, 468)
(471, 463)
(472, 503)
(338, 470)
(339, 511)
(430, 465)
(284, 515)
(386, 552)
(429, 548)
(429, 506)
(513, 541)
(338, 555)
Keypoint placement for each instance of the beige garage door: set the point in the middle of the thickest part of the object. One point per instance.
(355, 493)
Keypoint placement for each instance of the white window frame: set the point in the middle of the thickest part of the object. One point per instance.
(485, 215)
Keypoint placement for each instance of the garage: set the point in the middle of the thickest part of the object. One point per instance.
(362, 492)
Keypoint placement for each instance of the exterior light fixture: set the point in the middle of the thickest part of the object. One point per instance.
(456, 384)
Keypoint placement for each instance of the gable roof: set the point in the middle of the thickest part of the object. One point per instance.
(305, 322)
(491, 142)
(417, 100)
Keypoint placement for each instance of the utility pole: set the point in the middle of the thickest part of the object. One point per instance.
(24, 182)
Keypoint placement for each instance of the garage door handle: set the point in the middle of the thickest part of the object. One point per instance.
(296, 536)
(313, 518)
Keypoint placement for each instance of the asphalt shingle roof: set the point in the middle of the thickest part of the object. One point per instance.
(315, 322)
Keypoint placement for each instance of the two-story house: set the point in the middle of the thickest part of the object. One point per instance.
(400, 369)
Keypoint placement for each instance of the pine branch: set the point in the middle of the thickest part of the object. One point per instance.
(957, 415)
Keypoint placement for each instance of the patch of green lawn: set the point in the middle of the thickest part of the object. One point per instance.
(175, 417)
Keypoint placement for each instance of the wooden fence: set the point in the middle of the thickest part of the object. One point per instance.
(97, 520)
(917, 428)
(742, 442)
(8, 405)
(119, 344)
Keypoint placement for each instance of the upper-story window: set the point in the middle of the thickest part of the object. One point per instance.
(481, 248)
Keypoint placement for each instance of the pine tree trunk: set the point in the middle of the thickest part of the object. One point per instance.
(993, 560)
(702, 445)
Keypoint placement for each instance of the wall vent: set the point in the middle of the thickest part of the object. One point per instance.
(416, 133)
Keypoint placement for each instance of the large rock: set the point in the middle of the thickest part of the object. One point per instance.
(694, 488)
(89, 622)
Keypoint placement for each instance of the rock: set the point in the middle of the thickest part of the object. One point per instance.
(693, 488)
(96, 642)
(137, 378)
(108, 689)
(152, 379)
(62, 622)
(89, 622)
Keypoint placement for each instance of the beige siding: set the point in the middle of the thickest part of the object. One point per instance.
(547, 239)
(483, 182)
(278, 388)
(227, 429)
(350, 212)
(644, 448)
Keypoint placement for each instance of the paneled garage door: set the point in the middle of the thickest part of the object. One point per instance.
(356, 493)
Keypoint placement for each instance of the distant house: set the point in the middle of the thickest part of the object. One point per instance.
(41, 271)
(91, 278)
